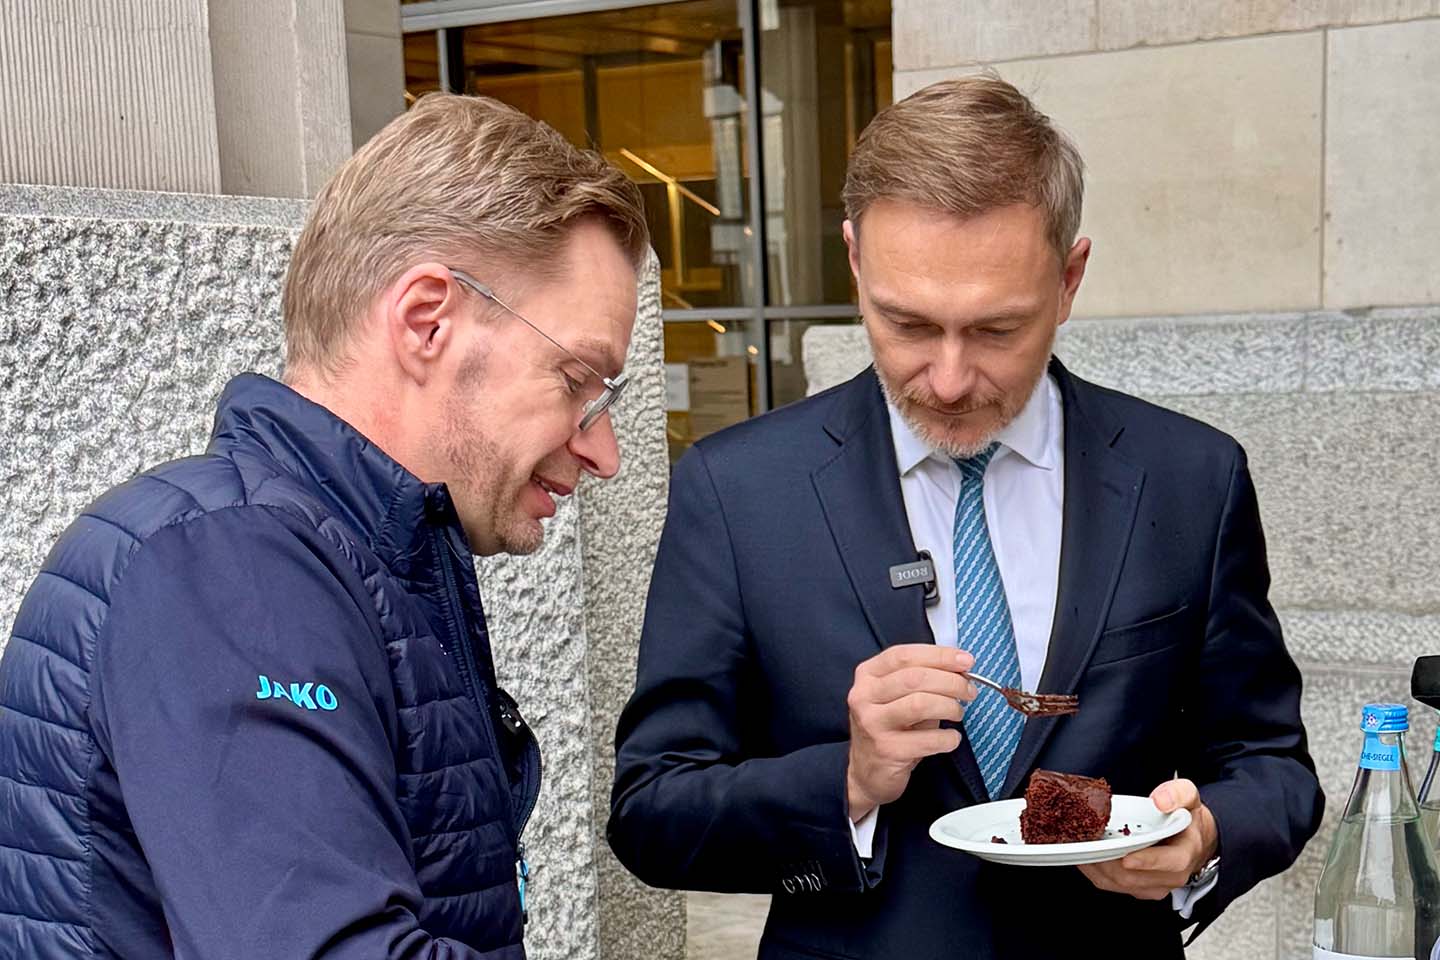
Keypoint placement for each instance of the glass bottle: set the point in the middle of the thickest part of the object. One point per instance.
(1430, 797)
(1379, 893)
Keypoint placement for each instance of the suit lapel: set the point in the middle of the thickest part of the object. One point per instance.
(859, 491)
(1101, 494)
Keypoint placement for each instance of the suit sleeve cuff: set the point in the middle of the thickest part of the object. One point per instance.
(862, 831)
(1184, 899)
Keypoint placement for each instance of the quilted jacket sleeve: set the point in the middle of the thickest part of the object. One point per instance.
(242, 694)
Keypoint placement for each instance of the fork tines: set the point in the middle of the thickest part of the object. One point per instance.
(1050, 704)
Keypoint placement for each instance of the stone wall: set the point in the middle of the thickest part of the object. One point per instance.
(122, 315)
(1259, 156)
(1338, 413)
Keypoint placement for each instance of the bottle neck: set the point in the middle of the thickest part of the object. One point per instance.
(1382, 784)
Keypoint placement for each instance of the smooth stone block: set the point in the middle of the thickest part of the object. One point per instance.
(1201, 197)
(1128, 23)
(1382, 134)
(932, 33)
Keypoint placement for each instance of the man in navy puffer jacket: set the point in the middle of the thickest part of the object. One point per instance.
(248, 708)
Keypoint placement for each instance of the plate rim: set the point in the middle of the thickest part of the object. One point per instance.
(1176, 821)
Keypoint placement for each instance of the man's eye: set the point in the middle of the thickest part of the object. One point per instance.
(571, 384)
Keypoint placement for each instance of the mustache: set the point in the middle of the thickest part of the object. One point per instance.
(929, 402)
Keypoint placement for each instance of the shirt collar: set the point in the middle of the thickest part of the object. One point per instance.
(1028, 435)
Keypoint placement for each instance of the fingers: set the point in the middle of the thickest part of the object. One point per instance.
(1151, 873)
(918, 709)
(1171, 857)
(1106, 876)
(911, 746)
(1175, 794)
(908, 680)
(904, 655)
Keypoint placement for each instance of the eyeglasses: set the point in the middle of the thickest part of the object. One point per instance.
(594, 409)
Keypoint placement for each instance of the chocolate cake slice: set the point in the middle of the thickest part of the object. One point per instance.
(1064, 808)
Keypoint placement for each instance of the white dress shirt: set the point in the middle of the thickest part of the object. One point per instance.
(1024, 510)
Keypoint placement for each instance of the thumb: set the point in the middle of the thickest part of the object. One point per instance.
(1175, 794)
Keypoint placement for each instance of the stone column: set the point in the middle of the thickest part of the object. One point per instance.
(187, 96)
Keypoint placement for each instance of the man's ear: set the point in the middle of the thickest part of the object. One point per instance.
(1073, 273)
(852, 247)
(422, 310)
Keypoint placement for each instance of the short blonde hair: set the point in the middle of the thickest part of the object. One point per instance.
(460, 179)
(967, 146)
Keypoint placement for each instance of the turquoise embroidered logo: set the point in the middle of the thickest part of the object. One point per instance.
(311, 696)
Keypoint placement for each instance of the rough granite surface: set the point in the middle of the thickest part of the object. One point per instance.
(1338, 413)
(122, 316)
(620, 530)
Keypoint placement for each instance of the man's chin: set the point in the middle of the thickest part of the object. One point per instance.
(961, 444)
(524, 539)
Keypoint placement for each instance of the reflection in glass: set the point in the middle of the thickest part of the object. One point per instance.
(422, 65)
(825, 70)
(658, 90)
(789, 380)
(710, 380)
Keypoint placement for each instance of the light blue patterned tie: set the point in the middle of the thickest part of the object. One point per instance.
(983, 627)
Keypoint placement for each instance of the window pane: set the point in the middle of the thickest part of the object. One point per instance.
(789, 379)
(825, 67)
(422, 65)
(658, 90)
(710, 380)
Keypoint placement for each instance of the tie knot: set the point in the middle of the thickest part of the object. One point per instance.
(974, 467)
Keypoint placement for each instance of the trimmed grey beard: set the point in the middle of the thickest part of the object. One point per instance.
(948, 447)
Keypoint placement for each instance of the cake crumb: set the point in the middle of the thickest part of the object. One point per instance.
(998, 840)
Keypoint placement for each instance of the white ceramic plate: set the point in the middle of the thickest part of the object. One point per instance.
(972, 828)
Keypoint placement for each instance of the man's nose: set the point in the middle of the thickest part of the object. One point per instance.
(951, 375)
(597, 449)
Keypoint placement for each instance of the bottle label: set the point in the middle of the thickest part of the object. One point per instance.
(1375, 755)
(1322, 954)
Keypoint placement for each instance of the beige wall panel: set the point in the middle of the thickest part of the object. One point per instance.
(937, 33)
(104, 94)
(375, 66)
(282, 106)
(933, 33)
(1382, 195)
(377, 83)
(1128, 23)
(378, 17)
(323, 97)
(1203, 171)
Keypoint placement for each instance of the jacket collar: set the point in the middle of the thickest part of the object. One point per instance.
(377, 498)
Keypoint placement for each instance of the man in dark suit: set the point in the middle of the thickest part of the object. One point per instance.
(800, 719)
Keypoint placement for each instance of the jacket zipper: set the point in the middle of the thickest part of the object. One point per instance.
(466, 656)
(509, 715)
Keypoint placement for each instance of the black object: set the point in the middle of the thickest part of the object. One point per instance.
(1425, 681)
(921, 572)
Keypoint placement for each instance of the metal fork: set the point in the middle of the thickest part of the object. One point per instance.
(1031, 704)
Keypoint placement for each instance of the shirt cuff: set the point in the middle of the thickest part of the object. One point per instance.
(862, 831)
(1185, 898)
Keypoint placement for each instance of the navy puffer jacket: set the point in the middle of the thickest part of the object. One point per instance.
(248, 709)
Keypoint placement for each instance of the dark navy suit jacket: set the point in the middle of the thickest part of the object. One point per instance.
(771, 586)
